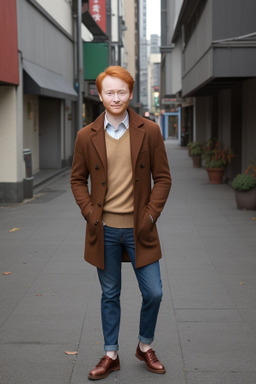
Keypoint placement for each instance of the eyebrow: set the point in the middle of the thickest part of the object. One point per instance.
(113, 90)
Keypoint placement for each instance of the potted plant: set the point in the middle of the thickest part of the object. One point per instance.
(245, 191)
(189, 144)
(251, 170)
(196, 153)
(216, 160)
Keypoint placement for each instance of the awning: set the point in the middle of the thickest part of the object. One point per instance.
(41, 81)
(96, 31)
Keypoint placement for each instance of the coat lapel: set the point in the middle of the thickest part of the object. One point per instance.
(98, 138)
(136, 134)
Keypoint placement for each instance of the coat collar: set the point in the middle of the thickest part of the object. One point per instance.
(137, 132)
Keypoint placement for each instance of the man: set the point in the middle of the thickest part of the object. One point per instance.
(120, 151)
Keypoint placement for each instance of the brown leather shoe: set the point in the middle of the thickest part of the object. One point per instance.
(104, 368)
(152, 362)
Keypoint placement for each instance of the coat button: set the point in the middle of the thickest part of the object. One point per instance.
(96, 222)
(142, 165)
(99, 204)
(97, 167)
(137, 179)
(103, 183)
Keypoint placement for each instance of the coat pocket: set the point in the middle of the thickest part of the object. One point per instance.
(146, 233)
(92, 224)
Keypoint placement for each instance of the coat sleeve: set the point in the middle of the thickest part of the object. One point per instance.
(79, 177)
(160, 174)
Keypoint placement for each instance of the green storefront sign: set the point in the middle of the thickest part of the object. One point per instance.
(95, 59)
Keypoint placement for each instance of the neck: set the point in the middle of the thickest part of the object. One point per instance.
(116, 120)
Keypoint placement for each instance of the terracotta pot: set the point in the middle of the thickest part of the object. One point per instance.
(246, 199)
(196, 161)
(215, 175)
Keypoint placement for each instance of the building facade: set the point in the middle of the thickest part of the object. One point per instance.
(37, 106)
(209, 57)
(51, 54)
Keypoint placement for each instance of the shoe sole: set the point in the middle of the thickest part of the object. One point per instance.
(105, 375)
(159, 371)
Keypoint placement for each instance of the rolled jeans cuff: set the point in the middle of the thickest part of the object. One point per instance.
(145, 340)
(108, 348)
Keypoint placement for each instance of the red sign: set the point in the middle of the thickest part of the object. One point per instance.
(97, 9)
(9, 63)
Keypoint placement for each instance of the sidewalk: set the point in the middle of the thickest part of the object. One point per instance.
(50, 302)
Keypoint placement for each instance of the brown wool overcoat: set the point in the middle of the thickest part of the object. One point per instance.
(149, 159)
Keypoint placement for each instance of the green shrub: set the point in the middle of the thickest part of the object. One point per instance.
(216, 156)
(244, 182)
(196, 148)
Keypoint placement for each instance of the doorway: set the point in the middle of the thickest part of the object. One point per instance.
(49, 133)
(172, 125)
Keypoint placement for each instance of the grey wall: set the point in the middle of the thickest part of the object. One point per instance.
(203, 119)
(49, 133)
(249, 123)
(198, 58)
(233, 18)
(42, 42)
(200, 40)
(225, 117)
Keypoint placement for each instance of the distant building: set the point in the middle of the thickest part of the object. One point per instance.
(154, 75)
(131, 47)
(155, 41)
(143, 54)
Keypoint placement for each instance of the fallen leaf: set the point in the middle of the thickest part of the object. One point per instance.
(6, 273)
(71, 352)
(241, 283)
(39, 294)
(253, 218)
(14, 229)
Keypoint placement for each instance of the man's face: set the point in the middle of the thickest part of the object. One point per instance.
(115, 95)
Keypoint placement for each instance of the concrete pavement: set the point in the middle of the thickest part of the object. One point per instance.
(50, 302)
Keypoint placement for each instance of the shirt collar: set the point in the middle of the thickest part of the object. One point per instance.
(125, 121)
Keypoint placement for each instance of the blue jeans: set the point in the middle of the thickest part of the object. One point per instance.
(149, 280)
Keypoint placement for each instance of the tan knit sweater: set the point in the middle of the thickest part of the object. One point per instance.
(118, 206)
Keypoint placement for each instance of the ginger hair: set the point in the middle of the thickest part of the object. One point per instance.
(115, 71)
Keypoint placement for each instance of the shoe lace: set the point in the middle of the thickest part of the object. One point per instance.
(103, 362)
(151, 356)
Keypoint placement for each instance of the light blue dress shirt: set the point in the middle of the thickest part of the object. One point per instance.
(116, 133)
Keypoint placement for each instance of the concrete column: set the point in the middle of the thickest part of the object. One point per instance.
(11, 156)
(12, 170)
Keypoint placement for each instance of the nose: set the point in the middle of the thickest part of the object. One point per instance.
(116, 97)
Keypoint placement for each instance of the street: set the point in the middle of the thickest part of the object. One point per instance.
(50, 326)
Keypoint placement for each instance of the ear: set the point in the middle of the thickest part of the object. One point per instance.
(131, 95)
(100, 96)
